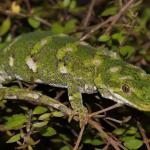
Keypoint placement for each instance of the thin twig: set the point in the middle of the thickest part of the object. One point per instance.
(79, 138)
(95, 28)
(59, 94)
(117, 17)
(145, 139)
(106, 109)
(8, 12)
(28, 5)
(89, 13)
(97, 126)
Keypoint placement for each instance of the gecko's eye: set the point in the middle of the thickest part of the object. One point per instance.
(125, 88)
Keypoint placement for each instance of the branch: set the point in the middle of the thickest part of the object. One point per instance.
(89, 13)
(12, 93)
(117, 17)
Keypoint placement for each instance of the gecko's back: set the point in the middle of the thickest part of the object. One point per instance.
(51, 59)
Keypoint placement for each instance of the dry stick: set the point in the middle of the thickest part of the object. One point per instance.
(104, 134)
(28, 5)
(79, 138)
(106, 109)
(145, 139)
(95, 28)
(117, 17)
(112, 19)
(33, 97)
(8, 12)
(89, 13)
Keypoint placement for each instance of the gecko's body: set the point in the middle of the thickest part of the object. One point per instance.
(63, 61)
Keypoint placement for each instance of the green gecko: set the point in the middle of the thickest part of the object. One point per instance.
(63, 61)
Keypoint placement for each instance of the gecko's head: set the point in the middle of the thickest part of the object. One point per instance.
(124, 83)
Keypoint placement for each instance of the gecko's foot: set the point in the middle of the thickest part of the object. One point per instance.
(82, 114)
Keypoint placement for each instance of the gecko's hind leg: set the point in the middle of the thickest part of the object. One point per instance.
(75, 99)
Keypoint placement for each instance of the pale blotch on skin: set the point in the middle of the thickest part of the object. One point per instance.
(62, 35)
(31, 64)
(96, 62)
(62, 68)
(18, 77)
(84, 43)
(1, 79)
(70, 97)
(43, 42)
(126, 78)
(11, 61)
(88, 89)
(38, 81)
(4, 76)
(12, 43)
(69, 49)
(11, 97)
(34, 96)
(115, 69)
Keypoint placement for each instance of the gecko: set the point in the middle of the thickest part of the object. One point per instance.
(64, 61)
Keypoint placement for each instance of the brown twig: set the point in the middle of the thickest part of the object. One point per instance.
(112, 19)
(106, 109)
(59, 94)
(10, 13)
(95, 28)
(79, 138)
(118, 15)
(104, 135)
(89, 13)
(28, 5)
(33, 97)
(145, 139)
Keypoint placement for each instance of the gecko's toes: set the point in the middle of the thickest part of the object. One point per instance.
(82, 114)
(83, 117)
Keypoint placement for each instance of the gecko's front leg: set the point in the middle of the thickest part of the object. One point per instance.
(75, 99)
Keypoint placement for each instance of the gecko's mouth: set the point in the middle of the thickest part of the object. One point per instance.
(117, 98)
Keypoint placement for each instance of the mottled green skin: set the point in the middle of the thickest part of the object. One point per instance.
(64, 61)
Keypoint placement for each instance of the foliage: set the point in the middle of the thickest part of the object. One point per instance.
(29, 126)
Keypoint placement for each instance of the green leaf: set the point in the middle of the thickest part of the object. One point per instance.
(133, 144)
(64, 137)
(5, 26)
(57, 28)
(126, 51)
(48, 132)
(127, 138)
(14, 138)
(45, 116)
(70, 26)
(57, 114)
(15, 122)
(104, 38)
(119, 131)
(39, 110)
(65, 148)
(40, 124)
(33, 23)
(66, 3)
(110, 11)
(94, 142)
(118, 37)
(132, 130)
